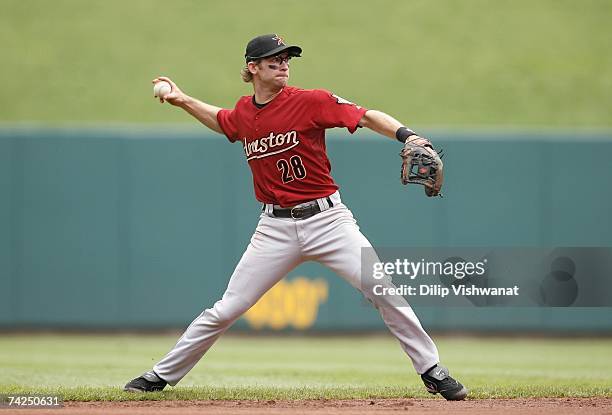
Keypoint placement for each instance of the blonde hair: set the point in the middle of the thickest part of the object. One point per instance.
(246, 75)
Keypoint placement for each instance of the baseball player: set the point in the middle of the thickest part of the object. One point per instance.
(282, 130)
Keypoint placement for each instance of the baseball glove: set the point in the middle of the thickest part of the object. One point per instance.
(421, 164)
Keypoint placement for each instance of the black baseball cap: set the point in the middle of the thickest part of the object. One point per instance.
(269, 45)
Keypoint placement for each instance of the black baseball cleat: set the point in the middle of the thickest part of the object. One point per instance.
(438, 380)
(148, 382)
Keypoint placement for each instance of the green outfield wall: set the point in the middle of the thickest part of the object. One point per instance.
(116, 227)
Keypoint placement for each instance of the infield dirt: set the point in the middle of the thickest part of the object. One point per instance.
(556, 406)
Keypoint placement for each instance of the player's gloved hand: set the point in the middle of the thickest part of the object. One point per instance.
(419, 141)
(421, 164)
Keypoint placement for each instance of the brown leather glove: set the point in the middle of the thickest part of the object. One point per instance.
(421, 164)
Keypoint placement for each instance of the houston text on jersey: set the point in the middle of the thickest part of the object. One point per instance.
(270, 144)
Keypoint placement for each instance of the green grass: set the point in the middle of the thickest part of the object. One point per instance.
(429, 63)
(88, 367)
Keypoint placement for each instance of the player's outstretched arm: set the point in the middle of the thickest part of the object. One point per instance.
(203, 112)
(381, 123)
(385, 124)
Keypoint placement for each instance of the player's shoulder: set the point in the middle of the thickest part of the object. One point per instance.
(316, 94)
(245, 99)
(243, 102)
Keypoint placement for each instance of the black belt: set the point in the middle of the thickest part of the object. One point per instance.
(302, 212)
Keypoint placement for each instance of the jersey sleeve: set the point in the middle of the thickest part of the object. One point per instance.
(330, 110)
(228, 123)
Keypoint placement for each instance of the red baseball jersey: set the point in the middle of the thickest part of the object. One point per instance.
(284, 142)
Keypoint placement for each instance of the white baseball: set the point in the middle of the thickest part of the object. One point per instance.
(161, 89)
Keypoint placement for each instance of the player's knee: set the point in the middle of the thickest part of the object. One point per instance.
(225, 312)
